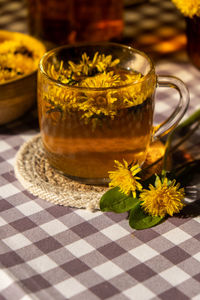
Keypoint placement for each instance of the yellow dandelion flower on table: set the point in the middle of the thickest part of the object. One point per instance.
(124, 178)
(163, 198)
(188, 8)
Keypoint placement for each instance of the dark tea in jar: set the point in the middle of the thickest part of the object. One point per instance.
(67, 21)
(51, 21)
(98, 20)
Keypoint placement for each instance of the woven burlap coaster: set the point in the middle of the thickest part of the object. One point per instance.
(39, 178)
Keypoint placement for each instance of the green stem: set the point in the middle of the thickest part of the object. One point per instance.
(181, 141)
(195, 117)
(190, 120)
(183, 173)
(170, 149)
(192, 163)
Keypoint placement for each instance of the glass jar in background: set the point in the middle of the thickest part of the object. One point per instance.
(69, 21)
(193, 40)
(51, 21)
(98, 20)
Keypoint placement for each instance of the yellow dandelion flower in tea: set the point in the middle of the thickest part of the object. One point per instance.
(163, 198)
(87, 66)
(100, 71)
(101, 80)
(189, 8)
(124, 178)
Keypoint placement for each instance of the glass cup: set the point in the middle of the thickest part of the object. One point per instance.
(102, 109)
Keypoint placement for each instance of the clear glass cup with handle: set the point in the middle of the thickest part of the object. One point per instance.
(96, 105)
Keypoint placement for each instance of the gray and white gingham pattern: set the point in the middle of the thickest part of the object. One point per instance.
(55, 252)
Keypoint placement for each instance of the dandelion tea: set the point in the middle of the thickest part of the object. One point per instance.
(99, 113)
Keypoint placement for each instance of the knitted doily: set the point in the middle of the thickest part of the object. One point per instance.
(39, 178)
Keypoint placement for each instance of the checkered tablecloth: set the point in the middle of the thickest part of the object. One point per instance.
(53, 252)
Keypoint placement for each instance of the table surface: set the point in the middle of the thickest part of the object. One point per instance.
(53, 252)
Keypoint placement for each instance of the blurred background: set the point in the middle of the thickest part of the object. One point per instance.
(154, 26)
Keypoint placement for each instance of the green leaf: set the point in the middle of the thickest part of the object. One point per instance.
(116, 201)
(139, 220)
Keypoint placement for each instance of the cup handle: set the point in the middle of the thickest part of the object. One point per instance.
(171, 122)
